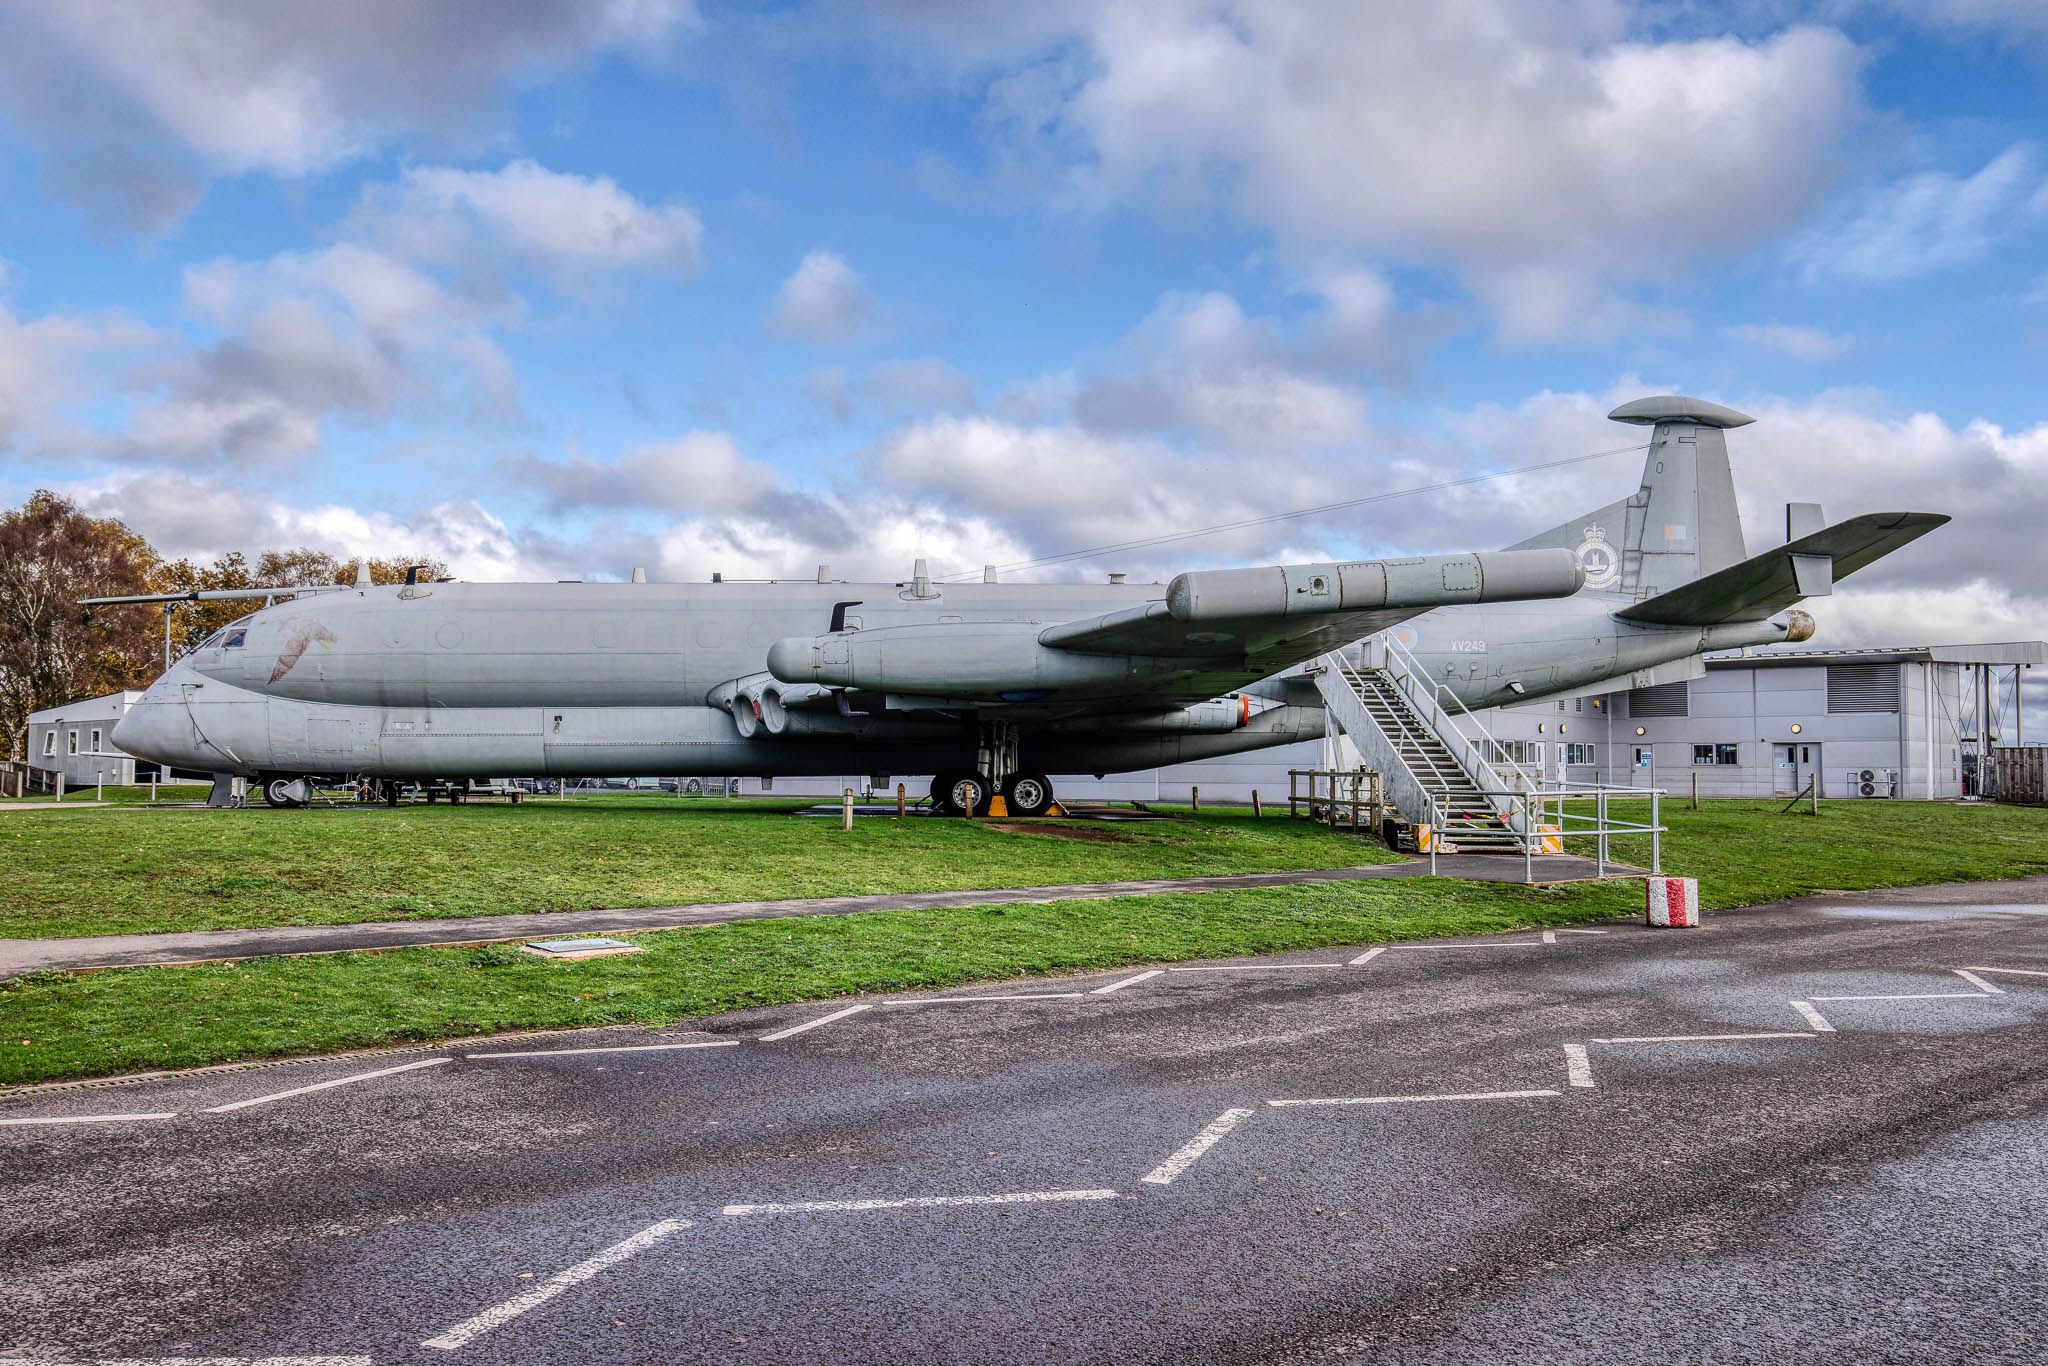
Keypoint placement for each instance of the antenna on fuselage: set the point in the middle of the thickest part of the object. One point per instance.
(362, 574)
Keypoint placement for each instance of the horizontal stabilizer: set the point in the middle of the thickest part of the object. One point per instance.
(1768, 583)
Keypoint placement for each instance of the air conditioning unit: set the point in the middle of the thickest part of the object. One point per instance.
(1874, 782)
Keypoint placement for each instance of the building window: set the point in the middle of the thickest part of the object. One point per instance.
(95, 739)
(49, 744)
(1716, 754)
(71, 742)
(1575, 753)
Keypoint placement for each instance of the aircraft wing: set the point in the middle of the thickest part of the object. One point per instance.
(1764, 584)
(1215, 622)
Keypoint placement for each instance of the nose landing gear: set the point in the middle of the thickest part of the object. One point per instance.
(285, 792)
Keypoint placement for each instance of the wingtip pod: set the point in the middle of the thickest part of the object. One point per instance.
(1370, 585)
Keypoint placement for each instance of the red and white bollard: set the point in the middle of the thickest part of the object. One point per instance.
(1674, 902)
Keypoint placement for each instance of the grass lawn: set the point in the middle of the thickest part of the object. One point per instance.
(128, 870)
(123, 796)
(60, 1025)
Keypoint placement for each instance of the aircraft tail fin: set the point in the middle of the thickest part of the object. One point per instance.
(1681, 524)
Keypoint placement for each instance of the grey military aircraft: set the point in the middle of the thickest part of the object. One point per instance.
(990, 686)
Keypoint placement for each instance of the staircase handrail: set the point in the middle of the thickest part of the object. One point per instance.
(1481, 764)
(1336, 665)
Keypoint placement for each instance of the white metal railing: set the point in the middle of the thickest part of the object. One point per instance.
(1544, 815)
(1484, 766)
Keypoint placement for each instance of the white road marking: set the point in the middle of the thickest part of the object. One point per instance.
(1366, 957)
(1974, 980)
(821, 1020)
(1402, 1100)
(1253, 967)
(1550, 936)
(211, 1361)
(1911, 996)
(614, 1048)
(466, 1332)
(1714, 1038)
(1163, 1174)
(84, 1119)
(1124, 982)
(2023, 972)
(1565, 931)
(1812, 1017)
(918, 1202)
(1509, 944)
(324, 1085)
(1578, 1068)
(1020, 996)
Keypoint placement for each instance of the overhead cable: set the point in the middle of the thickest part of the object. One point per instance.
(1169, 537)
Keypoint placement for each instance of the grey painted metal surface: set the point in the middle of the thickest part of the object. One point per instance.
(1000, 680)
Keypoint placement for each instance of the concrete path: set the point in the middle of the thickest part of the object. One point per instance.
(19, 956)
(1810, 1133)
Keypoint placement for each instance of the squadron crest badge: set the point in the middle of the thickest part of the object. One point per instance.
(1597, 558)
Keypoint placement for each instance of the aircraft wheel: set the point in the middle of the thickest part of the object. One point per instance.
(970, 793)
(390, 794)
(284, 792)
(1029, 794)
(961, 793)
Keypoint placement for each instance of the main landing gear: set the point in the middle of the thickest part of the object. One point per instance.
(997, 771)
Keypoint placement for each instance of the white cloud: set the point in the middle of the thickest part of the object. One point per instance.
(136, 103)
(51, 363)
(922, 385)
(1927, 222)
(572, 229)
(303, 336)
(185, 515)
(1538, 151)
(1813, 345)
(824, 301)
(698, 471)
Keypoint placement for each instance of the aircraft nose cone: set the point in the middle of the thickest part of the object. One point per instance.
(147, 731)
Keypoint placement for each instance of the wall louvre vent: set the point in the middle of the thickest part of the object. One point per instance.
(1862, 688)
(1666, 699)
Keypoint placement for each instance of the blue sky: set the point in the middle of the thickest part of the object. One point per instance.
(551, 289)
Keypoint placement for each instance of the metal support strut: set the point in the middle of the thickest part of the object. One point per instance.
(996, 751)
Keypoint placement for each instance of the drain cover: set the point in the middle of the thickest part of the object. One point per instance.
(582, 948)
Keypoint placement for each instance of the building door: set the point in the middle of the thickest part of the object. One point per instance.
(1797, 765)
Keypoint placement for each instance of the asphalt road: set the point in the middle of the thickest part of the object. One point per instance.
(1539, 1159)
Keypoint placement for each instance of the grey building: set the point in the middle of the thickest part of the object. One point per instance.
(1752, 725)
(72, 740)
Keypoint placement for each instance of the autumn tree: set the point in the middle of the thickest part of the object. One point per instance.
(53, 650)
(303, 568)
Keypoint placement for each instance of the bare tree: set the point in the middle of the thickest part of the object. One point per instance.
(52, 649)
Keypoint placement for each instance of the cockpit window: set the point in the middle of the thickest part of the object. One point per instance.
(210, 641)
(233, 639)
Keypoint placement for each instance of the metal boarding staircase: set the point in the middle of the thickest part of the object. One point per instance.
(1436, 773)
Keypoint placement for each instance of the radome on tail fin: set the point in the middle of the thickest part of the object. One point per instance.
(1681, 524)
